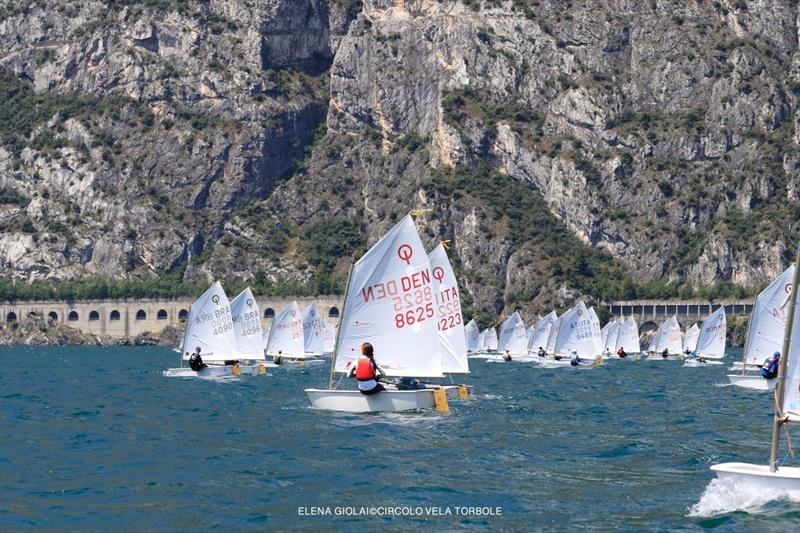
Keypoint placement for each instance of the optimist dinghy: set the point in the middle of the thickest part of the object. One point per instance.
(773, 478)
(711, 343)
(764, 333)
(389, 302)
(209, 326)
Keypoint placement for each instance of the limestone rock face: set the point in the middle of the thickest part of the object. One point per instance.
(278, 138)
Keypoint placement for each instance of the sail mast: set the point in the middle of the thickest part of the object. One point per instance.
(339, 326)
(787, 337)
(747, 336)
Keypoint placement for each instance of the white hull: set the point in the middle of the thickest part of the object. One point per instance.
(785, 479)
(695, 363)
(755, 382)
(352, 401)
(738, 366)
(451, 391)
(209, 372)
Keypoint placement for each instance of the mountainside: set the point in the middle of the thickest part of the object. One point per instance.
(604, 148)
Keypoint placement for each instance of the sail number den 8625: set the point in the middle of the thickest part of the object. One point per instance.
(413, 307)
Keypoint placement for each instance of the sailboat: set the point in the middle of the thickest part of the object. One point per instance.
(628, 336)
(668, 337)
(390, 303)
(611, 337)
(550, 347)
(541, 331)
(578, 334)
(285, 339)
(313, 332)
(711, 342)
(767, 322)
(209, 327)
(772, 477)
(513, 337)
(246, 319)
(488, 345)
(692, 336)
(473, 336)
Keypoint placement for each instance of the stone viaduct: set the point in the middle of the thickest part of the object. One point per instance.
(131, 317)
(650, 313)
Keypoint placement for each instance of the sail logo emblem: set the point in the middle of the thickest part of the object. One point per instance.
(580, 312)
(292, 312)
(788, 288)
(438, 273)
(312, 313)
(215, 298)
(405, 252)
(249, 302)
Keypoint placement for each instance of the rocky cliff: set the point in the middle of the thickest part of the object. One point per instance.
(563, 147)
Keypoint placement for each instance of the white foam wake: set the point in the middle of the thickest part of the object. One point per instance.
(729, 495)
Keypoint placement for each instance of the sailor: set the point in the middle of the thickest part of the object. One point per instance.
(621, 352)
(367, 371)
(278, 359)
(664, 353)
(507, 356)
(770, 368)
(196, 362)
(408, 384)
(607, 353)
(542, 353)
(576, 359)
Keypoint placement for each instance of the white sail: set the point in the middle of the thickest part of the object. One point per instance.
(550, 347)
(286, 335)
(604, 333)
(576, 333)
(692, 336)
(712, 335)
(473, 336)
(482, 341)
(628, 336)
(791, 391)
(328, 337)
(513, 337)
(452, 340)
(529, 337)
(313, 331)
(595, 331)
(612, 334)
(675, 337)
(210, 327)
(768, 321)
(246, 319)
(669, 337)
(541, 331)
(491, 340)
(391, 304)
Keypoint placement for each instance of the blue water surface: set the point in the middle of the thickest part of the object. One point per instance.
(97, 439)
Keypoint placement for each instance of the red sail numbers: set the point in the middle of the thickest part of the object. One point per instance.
(449, 308)
(411, 295)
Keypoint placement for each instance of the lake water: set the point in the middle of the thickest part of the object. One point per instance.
(97, 439)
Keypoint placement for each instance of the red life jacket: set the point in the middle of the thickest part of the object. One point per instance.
(364, 370)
